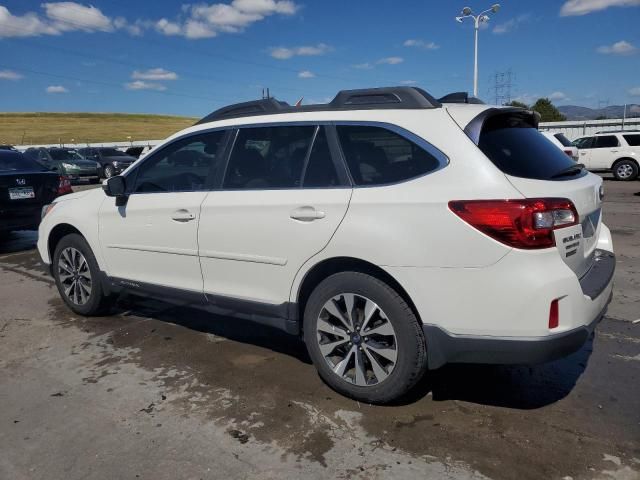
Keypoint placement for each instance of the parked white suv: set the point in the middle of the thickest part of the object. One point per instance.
(616, 152)
(563, 143)
(394, 232)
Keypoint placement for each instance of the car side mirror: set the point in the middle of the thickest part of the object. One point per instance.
(116, 186)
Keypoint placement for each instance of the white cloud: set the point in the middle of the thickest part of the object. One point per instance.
(56, 89)
(60, 17)
(69, 16)
(634, 92)
(421, 44)
(306, 74)
(154, 74)
(10, 75)
(204, 20)
(557, 96)
(285, 53)
(619, 48)
(363, 66)
(142, 85)
(583, 7)
(390, 61)
(511, 24)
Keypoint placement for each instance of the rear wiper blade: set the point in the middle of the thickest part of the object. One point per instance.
(570, 170)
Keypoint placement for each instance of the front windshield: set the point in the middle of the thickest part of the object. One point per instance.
(60, 154)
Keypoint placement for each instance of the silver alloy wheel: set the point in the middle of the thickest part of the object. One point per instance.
(624, 171)
(74, 275)
(108, 171)
(356, 339)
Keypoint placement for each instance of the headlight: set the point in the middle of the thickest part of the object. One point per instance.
(115, 163)
(69, 165)
(46, 209)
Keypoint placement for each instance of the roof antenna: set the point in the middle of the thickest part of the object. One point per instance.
(299, 102)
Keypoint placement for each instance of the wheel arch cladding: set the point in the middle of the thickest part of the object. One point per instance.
(330, 266)
(57, 233)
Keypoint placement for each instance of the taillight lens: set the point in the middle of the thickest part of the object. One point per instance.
(569, 153)
(64, 186)
(528, 223)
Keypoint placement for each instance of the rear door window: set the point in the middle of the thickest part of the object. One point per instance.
(378, 156)
(268, 157)
(607, 141)
(518, 149)
(632, 140)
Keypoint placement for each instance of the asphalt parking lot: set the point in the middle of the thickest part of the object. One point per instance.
(159, 391)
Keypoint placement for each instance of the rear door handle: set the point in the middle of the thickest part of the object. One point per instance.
(306, 214)
(182, 215)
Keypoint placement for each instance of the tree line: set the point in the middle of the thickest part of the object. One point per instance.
(547, 110)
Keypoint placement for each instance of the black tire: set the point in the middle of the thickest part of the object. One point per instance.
(410, 346)
(109, 171)
(625, 170)
(97, 301)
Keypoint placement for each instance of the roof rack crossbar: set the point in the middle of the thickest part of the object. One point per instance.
(364, 99)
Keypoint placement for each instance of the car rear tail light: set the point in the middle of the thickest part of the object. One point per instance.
(64, 186)
(569, 152)
(554, 314)
(528, 223)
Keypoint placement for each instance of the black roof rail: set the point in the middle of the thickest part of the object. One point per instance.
(363, 99)
(460, 97)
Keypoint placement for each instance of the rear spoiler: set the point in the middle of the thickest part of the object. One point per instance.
(474, 127)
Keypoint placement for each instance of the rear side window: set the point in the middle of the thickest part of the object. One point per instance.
(378, 156)
(632, 140)
(584, 142)
(607, 141)
(268, 157)
(563, 140)
(15, 161)
(518, 149)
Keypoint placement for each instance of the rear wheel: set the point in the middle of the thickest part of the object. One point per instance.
(625, 170)
(77, 276)
(363, 338)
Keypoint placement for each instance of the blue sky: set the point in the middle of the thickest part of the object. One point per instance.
(164, 56)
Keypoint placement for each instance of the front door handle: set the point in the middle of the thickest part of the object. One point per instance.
(182, 215)
(306, 214)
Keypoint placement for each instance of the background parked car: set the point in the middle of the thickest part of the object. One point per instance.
(67, 162)
(112, 161)
(7, 147)
(138, 152)
(616, 152)
(563, 143)
(25, 187)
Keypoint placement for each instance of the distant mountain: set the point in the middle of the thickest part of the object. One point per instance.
(575, 112)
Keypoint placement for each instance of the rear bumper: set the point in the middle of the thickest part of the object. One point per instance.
(445, 347)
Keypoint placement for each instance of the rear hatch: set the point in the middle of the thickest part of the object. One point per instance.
(537, 169)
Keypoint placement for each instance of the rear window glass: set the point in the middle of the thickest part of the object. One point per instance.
(563, 140)
(377, 156)
(518, 149)
(632, 140)
(64, 155)
(14, 161)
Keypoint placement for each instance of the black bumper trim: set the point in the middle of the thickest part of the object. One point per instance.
(444, 347)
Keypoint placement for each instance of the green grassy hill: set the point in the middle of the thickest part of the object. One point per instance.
(38, 128)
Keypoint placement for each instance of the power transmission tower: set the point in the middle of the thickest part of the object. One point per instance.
(501, 88)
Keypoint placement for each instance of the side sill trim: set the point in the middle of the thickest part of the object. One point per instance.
(276, 316)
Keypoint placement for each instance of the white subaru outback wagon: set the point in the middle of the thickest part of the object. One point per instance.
(392, 231)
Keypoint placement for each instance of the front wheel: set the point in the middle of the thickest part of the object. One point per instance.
(109, 171)
(363, 338)
(625, 170)
(77, 276)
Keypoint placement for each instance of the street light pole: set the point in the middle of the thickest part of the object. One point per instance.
(477, 20)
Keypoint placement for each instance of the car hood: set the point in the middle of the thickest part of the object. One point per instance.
(77, 195)
(80, 163)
